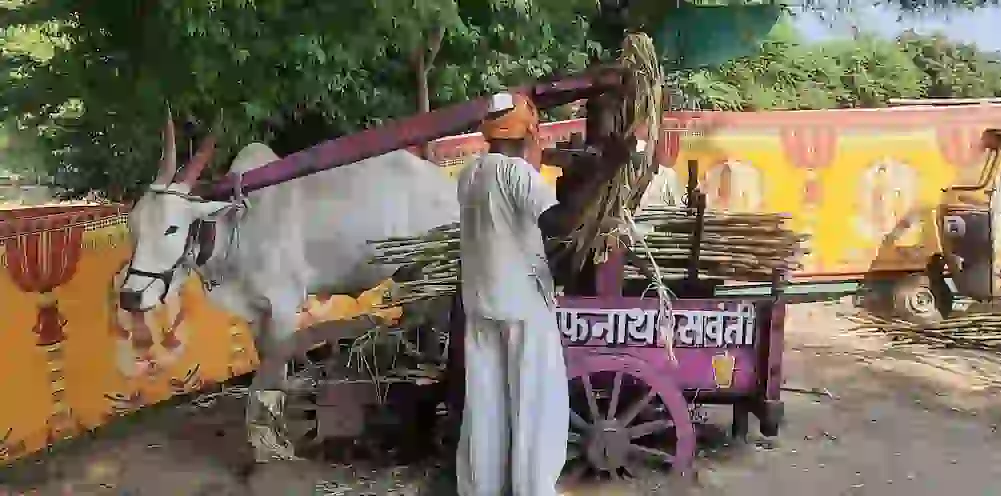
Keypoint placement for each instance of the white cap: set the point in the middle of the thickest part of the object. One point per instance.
(501, 102)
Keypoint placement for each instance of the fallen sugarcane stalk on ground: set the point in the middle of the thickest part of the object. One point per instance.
(980, 331)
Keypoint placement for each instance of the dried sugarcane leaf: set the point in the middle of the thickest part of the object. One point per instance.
(641, 107)
(975, 331)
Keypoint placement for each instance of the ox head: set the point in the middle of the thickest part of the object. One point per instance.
(163, 224)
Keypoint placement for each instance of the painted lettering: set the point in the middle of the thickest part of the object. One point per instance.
(716, 328)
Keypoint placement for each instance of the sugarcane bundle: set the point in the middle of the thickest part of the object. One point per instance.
(733, 246)
(981, 331)
(436, 253)
(639, 106)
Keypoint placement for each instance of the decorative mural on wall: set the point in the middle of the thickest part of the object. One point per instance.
(665, 189)
(147, 348)
(887, 192)
(146, 344)
(117, 363)
(960, 144)
(39, 258)
(811, 148)
(676, 126)
(734, 185)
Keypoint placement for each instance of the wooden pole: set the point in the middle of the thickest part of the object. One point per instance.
(455, 371)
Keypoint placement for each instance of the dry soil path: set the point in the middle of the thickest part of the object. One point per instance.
(896, 422)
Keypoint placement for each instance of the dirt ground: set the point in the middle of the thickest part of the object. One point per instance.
(861, 419)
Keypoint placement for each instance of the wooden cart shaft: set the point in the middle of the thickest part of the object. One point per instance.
(409, 131)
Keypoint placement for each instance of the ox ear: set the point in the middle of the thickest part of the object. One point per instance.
(209, 209)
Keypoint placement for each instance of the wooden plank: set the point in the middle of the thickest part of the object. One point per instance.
(408, 131)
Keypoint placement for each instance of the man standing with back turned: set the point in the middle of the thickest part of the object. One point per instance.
(514, 426)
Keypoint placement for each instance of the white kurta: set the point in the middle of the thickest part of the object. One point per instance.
(514, 426)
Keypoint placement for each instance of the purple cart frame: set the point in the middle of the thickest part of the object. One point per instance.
(634, 370)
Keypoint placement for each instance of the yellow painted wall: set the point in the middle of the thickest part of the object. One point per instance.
(102, 375)
(841, 241)
(858, 226)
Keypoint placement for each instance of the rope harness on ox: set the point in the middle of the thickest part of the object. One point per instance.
(199, 245)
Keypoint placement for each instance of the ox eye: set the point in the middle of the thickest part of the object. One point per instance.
(171, 230)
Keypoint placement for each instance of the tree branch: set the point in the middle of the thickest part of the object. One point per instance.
(433, 47)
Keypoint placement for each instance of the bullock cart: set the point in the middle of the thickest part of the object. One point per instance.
(637, 367)
(637, 359)
(640, 364)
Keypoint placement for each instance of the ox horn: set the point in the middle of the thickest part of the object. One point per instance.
(200, 160)
(168, 157)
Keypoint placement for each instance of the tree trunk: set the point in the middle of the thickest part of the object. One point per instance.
(424, 61)
(423, 98)
(609, 28)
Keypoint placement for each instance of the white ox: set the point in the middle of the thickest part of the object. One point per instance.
(292, 239)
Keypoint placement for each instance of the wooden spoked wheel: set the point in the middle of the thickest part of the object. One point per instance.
(622, 427)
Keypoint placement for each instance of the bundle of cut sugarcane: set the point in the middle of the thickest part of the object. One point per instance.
(436, 253)
(733, 246)
(980, 331)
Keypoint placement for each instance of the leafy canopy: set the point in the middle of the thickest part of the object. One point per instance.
(288, 72)
(866, 71)
(92, 78)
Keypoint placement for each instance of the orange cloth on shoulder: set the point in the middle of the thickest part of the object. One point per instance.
(518, 123)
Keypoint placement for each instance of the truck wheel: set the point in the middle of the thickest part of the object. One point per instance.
(914, 300)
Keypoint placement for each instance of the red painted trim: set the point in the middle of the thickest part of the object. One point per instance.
(839, 121)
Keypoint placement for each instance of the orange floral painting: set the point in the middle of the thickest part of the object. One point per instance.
(76, 361)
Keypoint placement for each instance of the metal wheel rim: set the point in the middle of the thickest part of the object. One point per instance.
(920, 302)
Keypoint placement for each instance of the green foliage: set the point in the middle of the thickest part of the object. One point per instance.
(93, 78)
(288, 72)
(863, 72)
(23, 154)
(953, 69)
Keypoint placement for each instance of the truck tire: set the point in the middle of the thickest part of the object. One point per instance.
(915, 301)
